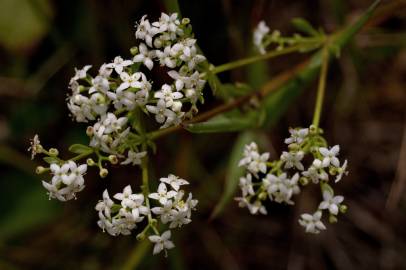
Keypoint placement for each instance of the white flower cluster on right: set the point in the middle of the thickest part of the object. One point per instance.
(173, 209)
(308, 160)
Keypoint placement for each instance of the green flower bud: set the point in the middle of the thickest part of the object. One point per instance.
(113, 159)
(293, 147)
(40, 170)
(343, 208)
(332, 219)
(89, 131)
(304, 181)
(53, 152)
(90, 162)
(134, 50)
(103, 173)
(262, 196)
(313, 129)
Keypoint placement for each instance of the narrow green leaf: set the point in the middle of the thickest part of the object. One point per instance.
(277, 103)
(304, 26)
(233, 171)
(346, 35)
(51, 160)
(230, 90)
(226, 123)
(215, 84)
(79, 148)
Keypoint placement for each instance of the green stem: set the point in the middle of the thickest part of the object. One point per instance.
(83, 155)
(250, 60)
(321, 86)
(145, 189)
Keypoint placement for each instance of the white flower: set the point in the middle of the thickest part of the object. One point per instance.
(166, 212)
(134, 158)
(35, 146)
(163, 194)
(313, 173)
(256, 208)
(105, 70)
(145, 56)
(179, 218)
(165, 57)
(187, 81)
(145, 31)
(67, 180)
(258, 163)
(281, 188)
(84, 108)
(99, 84)
(175, 116)
(330, 156)
(162, 242)
(297, 135)
(252, 160)
(342, 171)
(80, 73)
(134, 80)
(160, 111)
(168, 23)
(105, 205)
(292, 159)
(331, 203)
(174, 181)
(259, 33)
(246, 185)
(119, 64)
(167, 95)
(312, 223)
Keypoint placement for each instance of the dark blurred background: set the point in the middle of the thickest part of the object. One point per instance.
(41, 41)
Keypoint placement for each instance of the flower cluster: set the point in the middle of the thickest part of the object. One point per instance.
(172, 209)
(67, 180)
(111, 98)
(308, 159)
(121, 218)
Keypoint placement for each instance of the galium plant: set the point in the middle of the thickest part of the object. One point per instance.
(120, 98)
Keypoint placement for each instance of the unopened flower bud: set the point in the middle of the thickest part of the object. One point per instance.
(103, 172)
(313, 129)
(53, 152)
(293, 146)
(158, 43)
(113, 159)
(304, 181)
(40, 170)
(134, 50)
(89, 131)
(332, 219)
(90, 162)
(185, 21)
(262, 196)
(332, 170)
(343, 208)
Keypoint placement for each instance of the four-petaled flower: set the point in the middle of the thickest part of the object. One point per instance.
(163, 194)
(312, 223)
(331, 202)
(161, 242)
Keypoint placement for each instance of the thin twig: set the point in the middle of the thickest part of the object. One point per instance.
(269, 87)
(398, 184)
